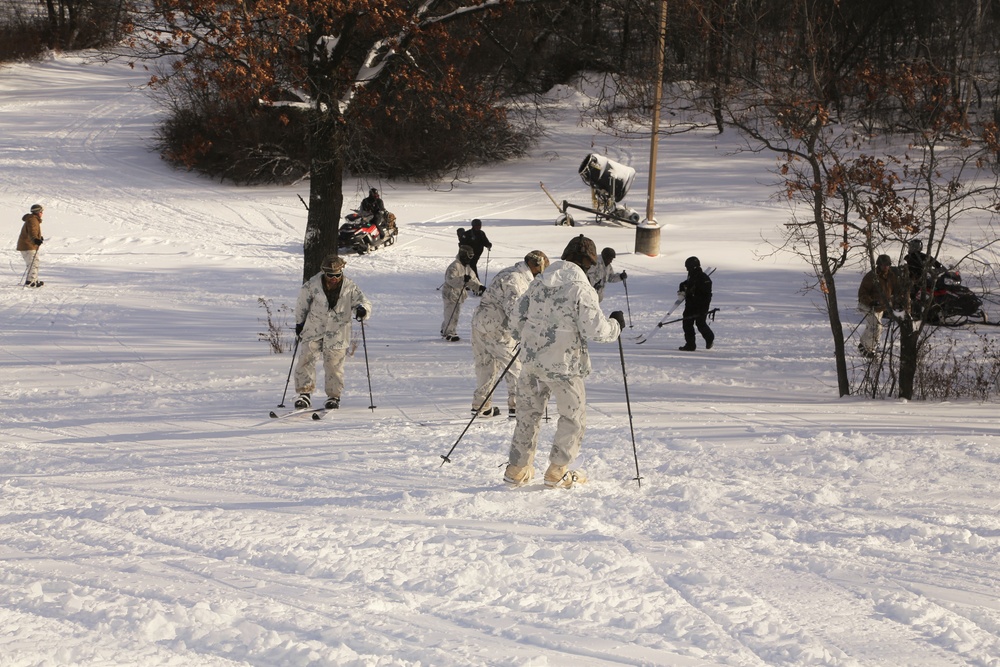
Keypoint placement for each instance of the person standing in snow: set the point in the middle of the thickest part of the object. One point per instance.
(476, 239)
(459, 279)
(323, 312)
(492, 345)
(697, 293)
(875, 295)
(601, 273)
(554, 319)
(29, 242)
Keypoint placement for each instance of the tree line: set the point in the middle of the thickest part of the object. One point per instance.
(882, 114)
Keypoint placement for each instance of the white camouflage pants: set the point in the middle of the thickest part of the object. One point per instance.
(533, 393)
(491, 354)
(333, 368)
(30, 265)
(452, 311)
(873, 329)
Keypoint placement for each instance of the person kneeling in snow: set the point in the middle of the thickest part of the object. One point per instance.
(492, 347)
(554, 319)
(323, 312)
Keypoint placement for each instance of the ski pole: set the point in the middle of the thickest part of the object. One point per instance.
(710, 314)
(486, 271)
(364, 344)
(628, 404)
(628, 306)
(480, 408)
(290, 366)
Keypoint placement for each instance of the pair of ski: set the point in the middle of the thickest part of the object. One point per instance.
(642, 338)
(317, 413)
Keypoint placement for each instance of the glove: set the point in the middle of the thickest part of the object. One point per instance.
(623, 275)
(298, 329)
(360, 312)
(619, 317)
(38, 241)
(467, 278)
(680, 294)
(482, 288)
(490, 246)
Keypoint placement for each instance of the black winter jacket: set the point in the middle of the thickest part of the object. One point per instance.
(697, 291)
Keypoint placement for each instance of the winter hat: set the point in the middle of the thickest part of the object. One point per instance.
(915, 245)
(37, 208)
(883, 260)
(692, 263)
(538, 259)
(466, 252)
(333, 262)
(477, 224)
(608, 255)
(578, 248)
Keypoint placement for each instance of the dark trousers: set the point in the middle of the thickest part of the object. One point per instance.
(700, 320)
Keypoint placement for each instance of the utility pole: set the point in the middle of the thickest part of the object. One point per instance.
(647, 234)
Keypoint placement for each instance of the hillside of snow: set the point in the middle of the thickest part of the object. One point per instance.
(152, 514)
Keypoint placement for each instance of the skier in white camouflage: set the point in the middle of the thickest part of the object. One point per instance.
(601, 273)
(492, 345)
(556, 317)
(459, 279)
(323, 312)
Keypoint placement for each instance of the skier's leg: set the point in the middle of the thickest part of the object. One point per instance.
(333, 371)
(533, 394)
(571, 402)
(873, 329)
(305, 369)
(486, 367)
(706, 332)
(31, 265)
(687, 324)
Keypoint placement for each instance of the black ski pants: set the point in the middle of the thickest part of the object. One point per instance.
(697, 319)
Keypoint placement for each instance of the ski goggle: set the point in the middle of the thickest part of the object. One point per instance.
(333, 274)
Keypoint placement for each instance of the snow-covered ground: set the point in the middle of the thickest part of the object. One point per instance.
(152, 514)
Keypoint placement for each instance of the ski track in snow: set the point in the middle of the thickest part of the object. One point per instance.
(153, 514)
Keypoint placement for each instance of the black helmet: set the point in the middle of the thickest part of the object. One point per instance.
(692, 263)
(915, 245)
(477, 224)
(373, 193)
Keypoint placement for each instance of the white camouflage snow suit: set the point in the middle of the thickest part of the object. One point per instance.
(325, 331)
(458, 279)
(556, 317)
(600, 274)
(492, 345)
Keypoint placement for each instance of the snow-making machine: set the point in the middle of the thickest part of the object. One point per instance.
(609, 182)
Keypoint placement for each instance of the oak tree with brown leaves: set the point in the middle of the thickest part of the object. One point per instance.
(328, 64)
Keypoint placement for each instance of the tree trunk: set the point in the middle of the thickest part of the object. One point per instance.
(827, 274)
(908, 337)
(326, 195)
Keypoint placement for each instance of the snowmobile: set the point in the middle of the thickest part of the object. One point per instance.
(950, 303)
(363, 232)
